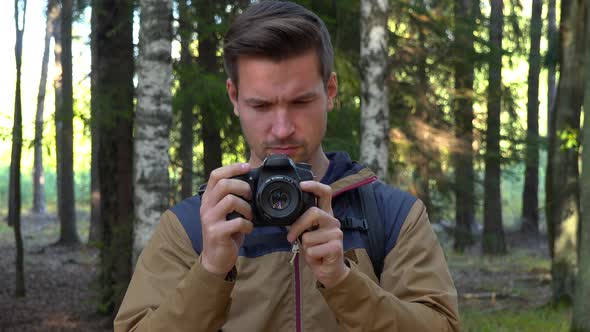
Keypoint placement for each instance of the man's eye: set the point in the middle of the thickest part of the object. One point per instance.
(259, 106)
(301, 102)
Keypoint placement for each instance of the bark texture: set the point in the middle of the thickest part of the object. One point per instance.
(112, 102)
(493, 232)
(563, 192)
(14, 194)
(65, 115)
(210, 129)
(464, 76)
(580, 317)
(530, 196)
(153, 117)
(374, 83)
(38, 172)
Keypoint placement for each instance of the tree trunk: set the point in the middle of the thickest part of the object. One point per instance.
(563, 210)
(65, 114)
(464, 76)
(38, 177)
(580, 317)
(374, 82)
(493, 232)
(154, 116)
(57, 87)
(208, 62)
(551, 59)
(187, 103)
(530, 198)
(14, 196)
(95, 233)
(112, 79)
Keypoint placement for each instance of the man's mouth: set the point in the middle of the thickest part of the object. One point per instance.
(288, 150)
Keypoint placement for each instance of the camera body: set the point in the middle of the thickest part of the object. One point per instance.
(277, 198)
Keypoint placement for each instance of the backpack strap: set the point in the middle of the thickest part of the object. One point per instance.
(371, 223)
(376, 229)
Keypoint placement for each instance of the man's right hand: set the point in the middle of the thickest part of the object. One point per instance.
(223, 238)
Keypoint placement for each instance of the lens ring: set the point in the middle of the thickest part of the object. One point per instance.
(287, 204)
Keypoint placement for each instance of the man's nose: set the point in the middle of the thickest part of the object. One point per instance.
(282, 126)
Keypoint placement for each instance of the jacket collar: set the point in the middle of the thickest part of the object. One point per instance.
(344, 174)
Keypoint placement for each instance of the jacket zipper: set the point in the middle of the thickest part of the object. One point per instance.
(295, 263)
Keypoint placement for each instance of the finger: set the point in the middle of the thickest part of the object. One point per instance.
(228, 229)
(232, 203)
(226, 187)
(226, 172)
(321, 191)
(310, 218)
(329, 252)
(323, 235)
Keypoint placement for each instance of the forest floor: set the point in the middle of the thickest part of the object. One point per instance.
(507, 293)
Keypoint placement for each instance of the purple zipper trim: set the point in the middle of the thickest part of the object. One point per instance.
(355, 185)
(297, 296)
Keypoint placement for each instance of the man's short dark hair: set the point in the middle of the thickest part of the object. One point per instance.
(277, 30)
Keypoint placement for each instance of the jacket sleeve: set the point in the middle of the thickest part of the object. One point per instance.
(416, 291)
(170, 288)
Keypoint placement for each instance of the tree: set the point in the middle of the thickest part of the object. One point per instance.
(153, 117)
(374, 83)
(64, 117)
(14, 196)
(112, 88)
(210, 129)
(38, 177)
(551, 59)
(580, 317)
(187, 102)
(562, 199)
(464, 76)
(530, 199)
(493, 232)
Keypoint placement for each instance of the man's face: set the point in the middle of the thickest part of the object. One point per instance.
(282, 106)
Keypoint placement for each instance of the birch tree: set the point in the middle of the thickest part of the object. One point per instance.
(153, 117)
(374, 92)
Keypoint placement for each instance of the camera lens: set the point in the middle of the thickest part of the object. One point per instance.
(279, 199)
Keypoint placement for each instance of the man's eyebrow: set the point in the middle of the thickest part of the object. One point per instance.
(254, 100)
(307, 95)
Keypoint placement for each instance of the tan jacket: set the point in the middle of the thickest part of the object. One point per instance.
(171, 291)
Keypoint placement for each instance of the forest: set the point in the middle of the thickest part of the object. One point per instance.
(115, 111)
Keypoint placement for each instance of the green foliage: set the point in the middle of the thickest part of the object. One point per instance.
(543, 319)
(81, 189)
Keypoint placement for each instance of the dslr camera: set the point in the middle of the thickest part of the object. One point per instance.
(277, 199)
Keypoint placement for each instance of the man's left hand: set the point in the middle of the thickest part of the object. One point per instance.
(322, 245)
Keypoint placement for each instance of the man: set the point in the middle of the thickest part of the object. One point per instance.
(201, 272)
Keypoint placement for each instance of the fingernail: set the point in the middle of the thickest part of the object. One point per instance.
(244, 165)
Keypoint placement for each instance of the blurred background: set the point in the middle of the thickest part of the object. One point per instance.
(480, 108)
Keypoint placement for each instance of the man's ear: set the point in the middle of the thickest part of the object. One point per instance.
(232, 92)
(332, 90)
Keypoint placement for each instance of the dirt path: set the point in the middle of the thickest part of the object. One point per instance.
(59, 283)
